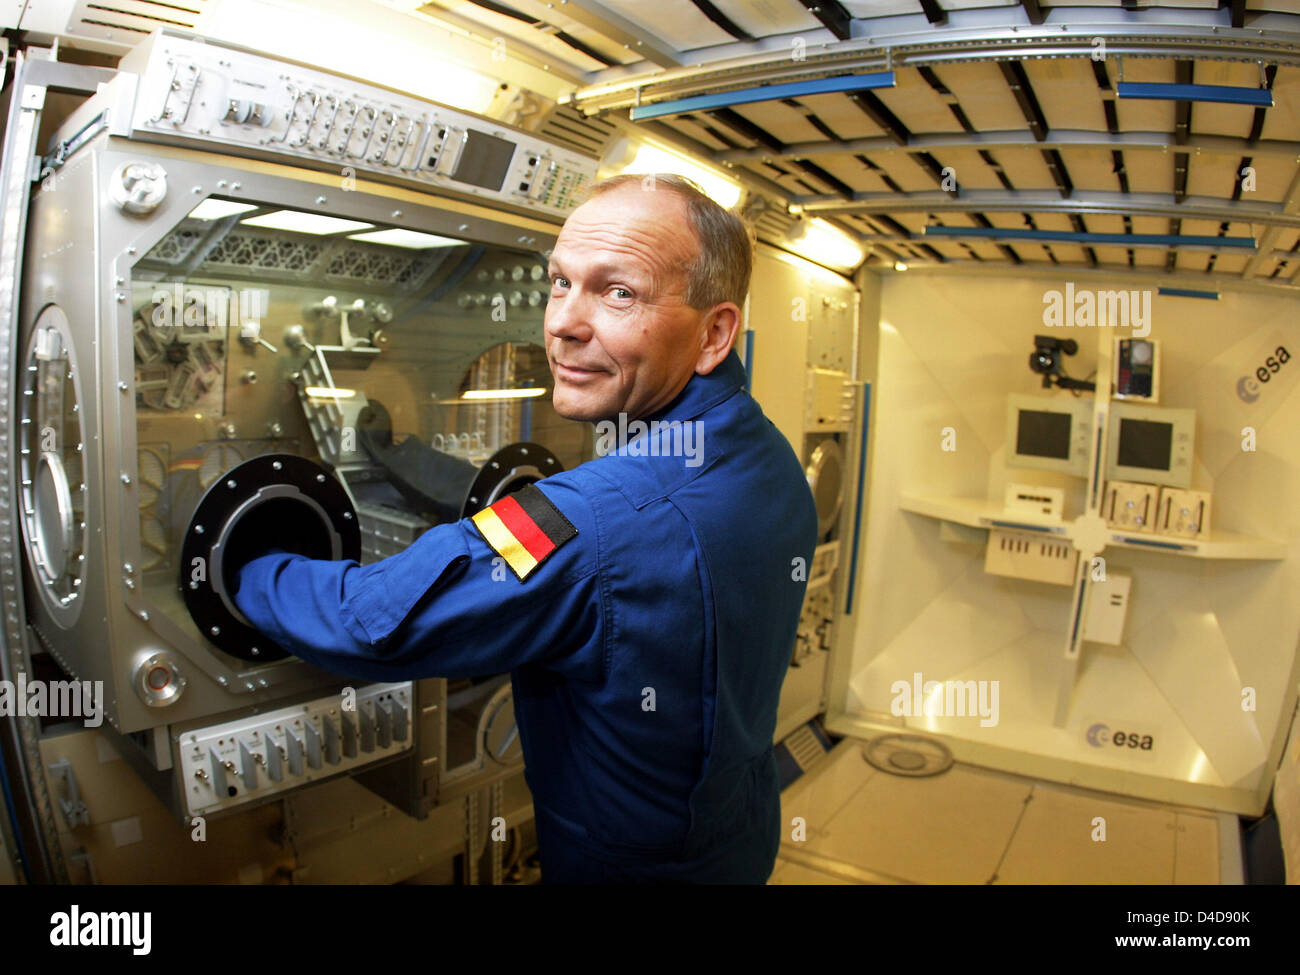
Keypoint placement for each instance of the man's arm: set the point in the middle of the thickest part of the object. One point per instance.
(449, 605)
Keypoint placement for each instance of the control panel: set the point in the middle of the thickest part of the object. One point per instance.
(240, 761)
(815, 623)
(196, 92)
(1130, 506)
(1137, 370)
(828, 400)
(1022, 555)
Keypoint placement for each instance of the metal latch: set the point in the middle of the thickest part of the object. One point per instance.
(74, 809)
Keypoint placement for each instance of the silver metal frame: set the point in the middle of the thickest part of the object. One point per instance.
(1036, 201)
(193, 176)
(999, 34)
(33, 77)
(994, 34)
(103, 311)
(1200, 145)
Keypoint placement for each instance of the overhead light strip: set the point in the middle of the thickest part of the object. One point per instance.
(1076, 237)
(649, 158)
(302, 222)
(491, 394)
(1228, 94)
(764, 93)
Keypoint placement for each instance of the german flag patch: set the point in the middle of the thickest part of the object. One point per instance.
(524, 529)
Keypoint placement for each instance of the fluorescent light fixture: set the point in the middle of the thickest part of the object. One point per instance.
(304, 223)
(648, 158)
(827, 244)
(505, 393)
(332, 32)
(900, 266)
(214, 209)
(397, 237)
(326, 392)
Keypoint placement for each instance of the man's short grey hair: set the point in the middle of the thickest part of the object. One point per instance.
(725, 255)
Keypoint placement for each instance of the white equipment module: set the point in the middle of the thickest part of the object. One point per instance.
(203, 301)
(245, 102)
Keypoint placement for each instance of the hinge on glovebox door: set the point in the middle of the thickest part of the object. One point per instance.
(45, 165)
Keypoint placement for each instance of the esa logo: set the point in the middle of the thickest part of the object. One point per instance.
(1248, 389)
(1099, 735)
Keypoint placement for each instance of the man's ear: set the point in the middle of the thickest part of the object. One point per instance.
(719, 330)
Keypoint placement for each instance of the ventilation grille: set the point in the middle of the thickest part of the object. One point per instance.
(569, 127)
(242, 249)
(177, 246)
(248, 251)
(378, 265)
(804, 747)
(129, 21)
(772, 223)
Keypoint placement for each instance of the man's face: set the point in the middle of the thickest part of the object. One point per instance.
(620, 337)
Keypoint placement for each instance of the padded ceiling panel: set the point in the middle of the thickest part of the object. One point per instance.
(970, 102)
(1025, 168)
(677, 23)
(1067, 92)
(985, 97)
(1091, 170)
(917, 105)
(1150, 170)
(781, 121)
(844, 118)
(971, 171)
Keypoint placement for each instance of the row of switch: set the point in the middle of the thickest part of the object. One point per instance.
(361, 126)
(311, 111)
(349, 735)
(250, 101)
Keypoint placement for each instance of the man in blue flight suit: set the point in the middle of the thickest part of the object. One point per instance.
(654, 593)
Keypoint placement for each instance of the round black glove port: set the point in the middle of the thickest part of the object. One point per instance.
(276, 502)
(512, 467)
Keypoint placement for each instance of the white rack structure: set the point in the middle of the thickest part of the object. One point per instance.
(1207, 668)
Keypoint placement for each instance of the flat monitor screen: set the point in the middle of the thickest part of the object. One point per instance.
(1143, 443)
(1041, 433)
(484, 161)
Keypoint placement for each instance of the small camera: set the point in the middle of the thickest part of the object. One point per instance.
(1046, 357)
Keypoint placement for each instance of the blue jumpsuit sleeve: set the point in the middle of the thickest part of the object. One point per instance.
(446, 606)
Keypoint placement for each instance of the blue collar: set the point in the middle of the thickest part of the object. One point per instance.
(702, 393)
(642, 478)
